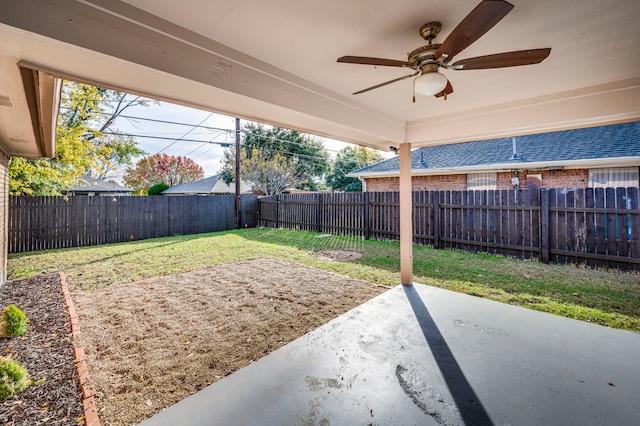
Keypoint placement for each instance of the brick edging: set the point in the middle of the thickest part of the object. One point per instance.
(80, 359)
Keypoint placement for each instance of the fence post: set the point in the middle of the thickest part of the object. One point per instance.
(277, 212)
(318, 214)
(544, 226)
(436, 219)
(168, 217)
(367, 227)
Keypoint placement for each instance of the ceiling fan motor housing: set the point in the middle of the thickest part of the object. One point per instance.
(424, 54)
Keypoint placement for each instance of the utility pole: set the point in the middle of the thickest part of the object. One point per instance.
(237, 179)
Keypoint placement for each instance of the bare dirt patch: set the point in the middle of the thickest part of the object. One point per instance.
(153, 343)
(338, 255)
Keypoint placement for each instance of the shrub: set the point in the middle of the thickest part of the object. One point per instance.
(14, 322)
(13, 378)
(157, 188)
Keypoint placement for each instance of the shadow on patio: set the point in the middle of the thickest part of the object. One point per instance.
(422, 355)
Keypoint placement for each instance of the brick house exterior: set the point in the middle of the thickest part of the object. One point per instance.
(567, 159)
(572, 178)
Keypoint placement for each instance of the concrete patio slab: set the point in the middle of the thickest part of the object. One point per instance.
(420, 355)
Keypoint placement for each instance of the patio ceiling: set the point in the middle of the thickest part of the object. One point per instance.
(275, 62)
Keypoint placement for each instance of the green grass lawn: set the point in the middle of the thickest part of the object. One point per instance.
(607, 298)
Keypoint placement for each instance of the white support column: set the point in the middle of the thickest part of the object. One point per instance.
(406, 222)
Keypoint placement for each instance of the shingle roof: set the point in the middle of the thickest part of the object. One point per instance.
(203, 186)
(91, 184)
(620, 140)
(210, 185)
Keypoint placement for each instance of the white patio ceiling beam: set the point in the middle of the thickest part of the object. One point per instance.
(157, 58)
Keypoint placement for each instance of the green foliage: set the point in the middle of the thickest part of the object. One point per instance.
(14, 321)
(226, 175)
(273, 159)
(157, 188)
(161, 168)
(85, 141)
(348, 160)
(13, 378)
(37, 177)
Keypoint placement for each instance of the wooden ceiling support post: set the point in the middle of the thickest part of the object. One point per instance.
(406, 221)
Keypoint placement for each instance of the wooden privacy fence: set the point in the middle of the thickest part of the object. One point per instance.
(598, 227)
(40, 223)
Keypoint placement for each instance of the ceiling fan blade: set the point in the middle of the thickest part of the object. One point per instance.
(502, 60)
(387, 82)
(363, 60)
(473, 26)
(446, 91)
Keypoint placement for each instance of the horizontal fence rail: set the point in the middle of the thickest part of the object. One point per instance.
(41, 223)
(597, 227)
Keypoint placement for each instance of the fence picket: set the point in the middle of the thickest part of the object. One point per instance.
(41, 223)
(598, 227)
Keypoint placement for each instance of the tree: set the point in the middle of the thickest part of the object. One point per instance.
(161, 168)
(269, 174)
(157, 189)
(350, 159)
(86, 141)
(272, 157)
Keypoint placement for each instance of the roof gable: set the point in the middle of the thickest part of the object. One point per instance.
(210, 185)
(202, 186)
(91, 184)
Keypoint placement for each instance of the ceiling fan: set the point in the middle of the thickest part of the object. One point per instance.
(426, 60)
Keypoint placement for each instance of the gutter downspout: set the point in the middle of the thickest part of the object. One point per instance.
(364, 183)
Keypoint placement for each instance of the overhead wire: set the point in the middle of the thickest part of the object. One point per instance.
(181, 137)
(220, 131)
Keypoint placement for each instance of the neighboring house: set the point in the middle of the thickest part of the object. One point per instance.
(91, 186)
(209, 186)
(606, 156)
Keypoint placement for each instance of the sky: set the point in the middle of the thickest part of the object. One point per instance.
(198, 136)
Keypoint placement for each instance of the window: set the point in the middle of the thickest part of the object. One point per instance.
(614, 177)
(481, 181)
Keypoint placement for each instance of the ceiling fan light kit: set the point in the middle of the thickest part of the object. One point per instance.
(430, 84)
(426, 60)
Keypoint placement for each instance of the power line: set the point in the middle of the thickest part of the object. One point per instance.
(163, 138)
(181, 137)
(156, 120)
(226, 142)
(221, 131)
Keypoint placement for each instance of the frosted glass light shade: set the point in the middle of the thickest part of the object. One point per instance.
(430, 84)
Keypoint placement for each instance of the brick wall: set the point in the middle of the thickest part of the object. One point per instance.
(574, 178)
(577, 178)
(4, 215)
(420, 183)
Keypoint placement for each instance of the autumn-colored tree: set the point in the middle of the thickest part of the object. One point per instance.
(161, 168)
(349, 159)
(274, 159)
(269, 174)
(86, 141)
